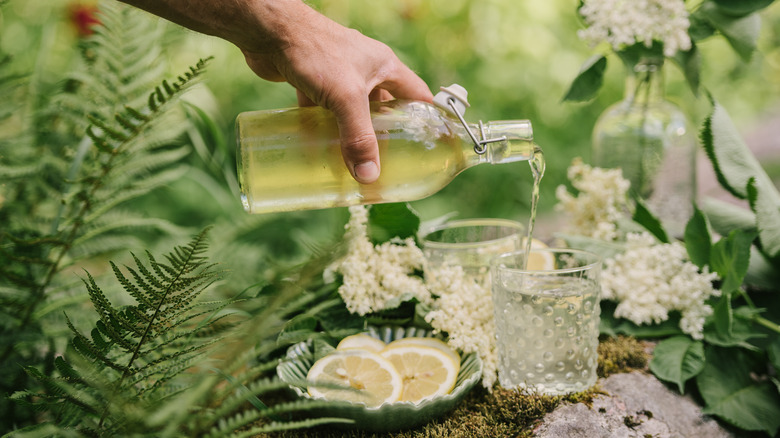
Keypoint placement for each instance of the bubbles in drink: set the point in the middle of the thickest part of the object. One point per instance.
(559, 333)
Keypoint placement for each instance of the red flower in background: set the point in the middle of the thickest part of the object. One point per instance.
(83, 17)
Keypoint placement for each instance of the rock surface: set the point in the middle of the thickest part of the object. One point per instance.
(637, 405)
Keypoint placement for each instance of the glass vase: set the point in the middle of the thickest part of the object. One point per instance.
(649, 138)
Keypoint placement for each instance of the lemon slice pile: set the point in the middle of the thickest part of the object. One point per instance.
(365, 370)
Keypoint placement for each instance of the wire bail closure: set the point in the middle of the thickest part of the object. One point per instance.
(480, 146)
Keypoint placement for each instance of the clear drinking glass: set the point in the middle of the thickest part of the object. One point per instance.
(547, 321)
(471, 244)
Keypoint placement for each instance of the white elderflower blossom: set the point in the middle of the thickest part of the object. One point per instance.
(601, 202)
(626, 22)
(649, 280)
(464, 310)
(374, 275)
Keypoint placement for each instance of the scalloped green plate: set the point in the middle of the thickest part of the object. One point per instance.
(389, 416)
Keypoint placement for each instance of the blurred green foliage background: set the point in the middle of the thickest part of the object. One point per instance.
(516, 58)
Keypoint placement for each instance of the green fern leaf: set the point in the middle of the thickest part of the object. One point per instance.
(131, 359)
(289, 425)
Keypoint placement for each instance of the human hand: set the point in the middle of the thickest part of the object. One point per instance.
(330, 65)
(339, 69)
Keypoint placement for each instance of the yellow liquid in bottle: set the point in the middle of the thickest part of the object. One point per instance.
(291, 160)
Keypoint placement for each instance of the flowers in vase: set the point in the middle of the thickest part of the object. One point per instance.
(661, 28)
(623, 23)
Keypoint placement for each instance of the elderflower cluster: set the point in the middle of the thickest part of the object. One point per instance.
(601, 202)
(464, 309)
(374, 275)
(626, 22)
(649, 280)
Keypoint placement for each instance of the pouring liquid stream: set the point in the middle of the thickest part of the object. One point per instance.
(537, 164)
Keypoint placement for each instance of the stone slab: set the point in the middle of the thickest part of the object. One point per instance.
(637, 405)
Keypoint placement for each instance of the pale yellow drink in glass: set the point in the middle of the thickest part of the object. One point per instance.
(547, 322)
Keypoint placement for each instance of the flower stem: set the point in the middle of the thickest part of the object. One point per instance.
(760, 320)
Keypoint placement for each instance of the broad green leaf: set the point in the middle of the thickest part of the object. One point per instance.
(611, 326)
(698, 239)
(725, 217)
(598, 246)
(724, 329)
(338, 317)
(404, 313)
(741, 7)
(387, 221)
(773, 349)
(765, 203)
(730, 392)
(762, 273)
(297, 329)
(320, 347)
(732, 160)
(740, 32)
(588, 81)
(631, 55)
(677, 360)
(644, 217)
(690, 64)
(301, 322)
(730, 258)
(700, 28)
(722, 319)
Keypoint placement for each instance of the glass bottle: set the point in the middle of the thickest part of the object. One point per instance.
(649, 138)
(290, 159)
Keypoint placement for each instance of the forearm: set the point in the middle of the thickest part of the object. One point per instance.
(252, 25)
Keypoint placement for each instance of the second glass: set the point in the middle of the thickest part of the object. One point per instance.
(471, 244)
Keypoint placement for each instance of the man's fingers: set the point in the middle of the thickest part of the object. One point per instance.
(405, 84)
(358, 141)
(379, 95)
(303, 99)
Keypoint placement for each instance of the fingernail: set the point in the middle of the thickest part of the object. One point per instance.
(366, 172)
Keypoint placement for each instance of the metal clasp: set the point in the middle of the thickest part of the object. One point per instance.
(480, 146)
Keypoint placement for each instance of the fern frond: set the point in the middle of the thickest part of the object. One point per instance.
(130, 361)
(240, 393)
(124, 220)
(108, 199)
(287, 425)
(115, 137)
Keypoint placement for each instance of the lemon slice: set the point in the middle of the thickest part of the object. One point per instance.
(540, 260)
(363, 341)
(426, 372)
(428, 342)
(364, 376)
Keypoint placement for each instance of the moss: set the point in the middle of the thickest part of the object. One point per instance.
(505, 412)
(621, 355)
(631, 422)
